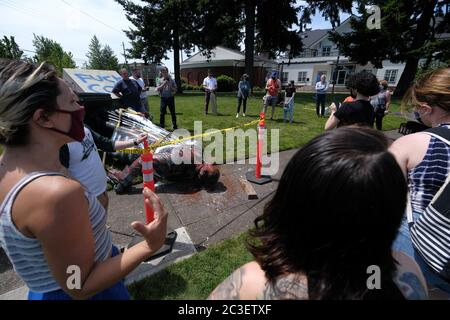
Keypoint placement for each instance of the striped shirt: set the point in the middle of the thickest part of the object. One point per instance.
(428, 176)
(26, 254)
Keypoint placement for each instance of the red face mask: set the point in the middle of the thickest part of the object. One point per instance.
(76, 131)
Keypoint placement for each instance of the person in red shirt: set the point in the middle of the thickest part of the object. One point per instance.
(273, 87)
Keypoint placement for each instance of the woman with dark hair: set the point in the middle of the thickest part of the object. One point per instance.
(360, 112)
(333, 218)
(243, 94)
(52, 230)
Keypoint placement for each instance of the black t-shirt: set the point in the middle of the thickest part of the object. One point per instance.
(131, 92)
(359, 112)
(290, 91)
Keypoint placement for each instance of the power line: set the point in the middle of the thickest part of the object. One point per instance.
(92, 17)
(19, 10)
(25, 9)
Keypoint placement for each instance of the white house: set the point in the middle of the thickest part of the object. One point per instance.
(320, 56)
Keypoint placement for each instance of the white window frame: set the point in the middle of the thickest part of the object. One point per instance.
(390, 75)
(326, 51)
(304, 77)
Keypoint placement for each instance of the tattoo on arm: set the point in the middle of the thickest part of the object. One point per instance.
(286, 288)
(230, 288)
(411, 286)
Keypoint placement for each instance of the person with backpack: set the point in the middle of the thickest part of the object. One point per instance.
(380, 103)
(425, 160)
(336, 211)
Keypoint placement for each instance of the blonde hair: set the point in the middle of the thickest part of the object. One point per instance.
(432, 88)
(24, 88)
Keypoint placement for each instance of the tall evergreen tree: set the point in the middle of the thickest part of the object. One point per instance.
(101, 58)
(408, 33)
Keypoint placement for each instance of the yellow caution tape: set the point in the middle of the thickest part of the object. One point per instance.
(159, 143)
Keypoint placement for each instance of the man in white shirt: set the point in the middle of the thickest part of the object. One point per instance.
(321, 95)
(210, 86)
(137, 77)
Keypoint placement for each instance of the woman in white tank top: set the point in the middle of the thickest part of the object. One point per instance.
(50, 229)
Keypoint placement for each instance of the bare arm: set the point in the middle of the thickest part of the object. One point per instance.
(388, 100)
(332, 121)
(121, 145)
(410, 150)
(250, 283)
(409, 278)
(62, 226)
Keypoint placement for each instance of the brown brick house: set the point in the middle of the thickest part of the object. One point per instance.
(224, 61)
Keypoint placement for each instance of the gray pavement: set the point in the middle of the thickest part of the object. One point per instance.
(202, 217)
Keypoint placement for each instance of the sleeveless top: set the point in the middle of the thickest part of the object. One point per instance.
(26, 254)
(428, 176)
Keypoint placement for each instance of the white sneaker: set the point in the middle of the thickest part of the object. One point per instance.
(237, 116)
(243, 115)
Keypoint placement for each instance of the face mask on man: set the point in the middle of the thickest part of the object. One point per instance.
(76, 131)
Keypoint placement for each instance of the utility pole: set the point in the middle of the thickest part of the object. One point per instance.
(125, 54)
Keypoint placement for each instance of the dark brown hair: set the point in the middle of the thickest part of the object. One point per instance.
(336, 212)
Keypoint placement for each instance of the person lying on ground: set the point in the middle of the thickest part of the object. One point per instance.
(203, 174)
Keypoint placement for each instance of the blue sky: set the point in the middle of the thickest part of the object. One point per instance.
(72, 23)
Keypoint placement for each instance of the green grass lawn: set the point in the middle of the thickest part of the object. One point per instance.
(190, 108)
(196, 277)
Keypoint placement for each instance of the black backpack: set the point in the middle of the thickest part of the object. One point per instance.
(430, 234)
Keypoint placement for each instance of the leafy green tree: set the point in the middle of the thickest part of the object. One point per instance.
(161, 26)
(9, 48)
(52, 52)
(408, 33)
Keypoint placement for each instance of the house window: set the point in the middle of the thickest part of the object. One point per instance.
(391, 75)
(284, 76)
(301, 76)
(326, 51)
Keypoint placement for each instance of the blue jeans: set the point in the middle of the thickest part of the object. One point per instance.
(321, 100)
(403, 243)
(116, 292)
(289, 110)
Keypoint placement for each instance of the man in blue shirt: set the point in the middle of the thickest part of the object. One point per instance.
(129, 91)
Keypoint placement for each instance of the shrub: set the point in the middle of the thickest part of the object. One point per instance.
(226, 84)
